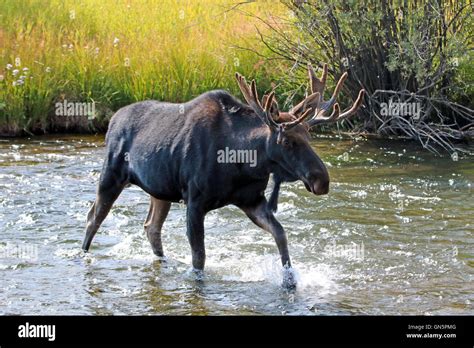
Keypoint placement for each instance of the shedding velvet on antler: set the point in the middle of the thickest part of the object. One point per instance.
(251, 96)
(320, 106)
(312, 104)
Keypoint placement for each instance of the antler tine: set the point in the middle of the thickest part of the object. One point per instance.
(253, 87)
(355, 106)
(268, 106)
(336, 115)
(251, 96)
(291, 124)
(269, 100)
(264, 99)
(244, 88)
(318, 85)
(317, 89)
(336, 110)
(320, 119)
(315, 97)
(327, 104)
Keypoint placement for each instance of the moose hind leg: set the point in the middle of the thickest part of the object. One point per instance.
(154, 222)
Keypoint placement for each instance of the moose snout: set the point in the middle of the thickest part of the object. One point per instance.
(317, 183)
(321, 186)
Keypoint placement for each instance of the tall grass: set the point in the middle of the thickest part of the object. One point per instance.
(117, 52)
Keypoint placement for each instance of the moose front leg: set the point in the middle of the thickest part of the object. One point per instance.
(273, 201)
(262, 215)
(195, 232)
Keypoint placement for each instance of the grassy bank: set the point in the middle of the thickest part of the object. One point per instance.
(113, 53)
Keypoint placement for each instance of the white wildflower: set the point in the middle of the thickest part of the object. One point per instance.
(9, 66)
(116, 42)
(15, 72)
(48, 69)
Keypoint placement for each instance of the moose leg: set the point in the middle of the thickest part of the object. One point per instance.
(273, 201)
(108, 191)
(262, 215)
(195, 233)
(154, 222)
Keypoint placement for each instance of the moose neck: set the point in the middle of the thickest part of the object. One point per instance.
(254, 141)
(262, 139)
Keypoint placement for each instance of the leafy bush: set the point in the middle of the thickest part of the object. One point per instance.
(416, 54)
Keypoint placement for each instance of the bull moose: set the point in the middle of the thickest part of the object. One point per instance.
(170, 151)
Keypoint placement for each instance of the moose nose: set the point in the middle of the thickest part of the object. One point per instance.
(321, 186)
(319, 183)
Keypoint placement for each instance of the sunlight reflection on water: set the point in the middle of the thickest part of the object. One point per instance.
(411, 211)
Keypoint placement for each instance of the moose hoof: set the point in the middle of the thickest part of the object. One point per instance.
(198, 274)
(159, 255)
(289, 280)
(161, 259)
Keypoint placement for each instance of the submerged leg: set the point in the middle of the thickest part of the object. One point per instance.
(107, 193)
(195, 232)
(262, 215)
(112, 181)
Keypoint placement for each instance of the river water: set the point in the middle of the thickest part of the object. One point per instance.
(394, 236)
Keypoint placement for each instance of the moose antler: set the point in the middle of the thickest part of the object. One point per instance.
(320, 107)
(312, 103)
(251, 96)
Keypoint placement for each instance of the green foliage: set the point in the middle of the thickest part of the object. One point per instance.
(116, 52)
(404, 51)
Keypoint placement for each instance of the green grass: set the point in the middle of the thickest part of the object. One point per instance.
(164, 50)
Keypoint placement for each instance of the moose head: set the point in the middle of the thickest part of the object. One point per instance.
(288, 137)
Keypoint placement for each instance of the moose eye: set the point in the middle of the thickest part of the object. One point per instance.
(286, 142)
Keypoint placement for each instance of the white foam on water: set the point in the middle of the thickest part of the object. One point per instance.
(25, 219)
(316, 277)
(267, 268)
(252, 269)
(68, 253)
(132, 246)
(359, 194)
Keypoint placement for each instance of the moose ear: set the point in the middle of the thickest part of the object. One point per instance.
(274, 111)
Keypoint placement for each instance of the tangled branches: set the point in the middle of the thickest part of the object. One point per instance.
(411, 57)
